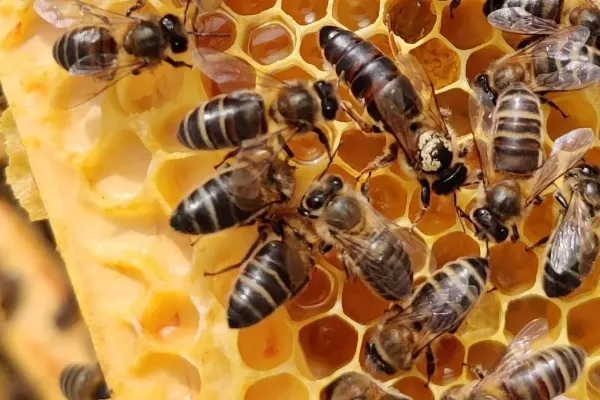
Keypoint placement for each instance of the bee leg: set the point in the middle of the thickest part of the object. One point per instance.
(178, 64)
(227, 157)
(561, 200)
(552, 104)
(430, 364)
(539, 243)
(138, 4)
(515, 234)
(493, 289)
(324, 141)
(262, 236)
(358, 119)
(425, 201)
(453, 6)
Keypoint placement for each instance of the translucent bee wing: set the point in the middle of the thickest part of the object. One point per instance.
(574, 239)
(60, 13)
(225, 70)
(575, 75)
(567, 151)
(101, 66)
(518, 20)
(481, 110)
(517, 351)
(415, 247)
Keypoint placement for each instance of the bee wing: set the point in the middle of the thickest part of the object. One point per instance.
(417, 250)
(64, 13)
(575, 75)
(567, 150)
(573, 238)
(518, 20)
(224, 69)
(392, 103)
(517, 351)
(481, 109)
(97, 80)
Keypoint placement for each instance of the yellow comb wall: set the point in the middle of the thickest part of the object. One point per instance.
(110, 180)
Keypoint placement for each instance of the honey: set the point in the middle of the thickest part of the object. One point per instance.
(361, 304)
(355, 14)
(520, 311)
(448, 352)
(270, 43)
(318, 296)
(410, 20)
(310, 52)
(483, 356)
(304, 11)
(249, 7)
(513, 270)
(220, 24)
(414, 387)
(452, 246)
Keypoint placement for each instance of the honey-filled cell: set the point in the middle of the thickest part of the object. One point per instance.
(305, 11)
(327, 344)
(355, 14)
(410, 20)
(479, 60)
(267, 344)
(382, 42)
(513, 39)
(469, 27)
(583, 326)
(414, 387)
(540, 221)
(440, 62)
(513, 269)
(456, 101)
(318, 296)
(440, 216)
(593, 155)
(170, 317)
(311, 52)
(483, 355)
(360, 303)
(249, 7)
(581, 114)
(588, 284)
(484, 319)
(387, 196)
(218, 23)
(452, 246)
(449, 354)
(277, 387)
(521, 311)
(357, 149)
(270, 43)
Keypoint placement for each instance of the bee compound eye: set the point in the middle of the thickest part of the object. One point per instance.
(315, 201)
(336, 183)
(502, 234)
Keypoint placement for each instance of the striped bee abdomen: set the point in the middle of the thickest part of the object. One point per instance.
(94, 41)
(366, 69)
(212, 208)
(224, 122)
(455, 287)
(517, 135)
(264, 284)
(546, 373)
(83, 382)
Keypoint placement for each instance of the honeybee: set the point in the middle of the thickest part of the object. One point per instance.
(574, 243)
(276, 267)
(400, 98)
(508, 139)
(109, 46)
(227, 120)
(355, 386)
(439, 305)
(370, 246)
(83, 382)
(242, 191)
(524, 374)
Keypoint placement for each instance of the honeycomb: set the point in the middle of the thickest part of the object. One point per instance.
(111, 172)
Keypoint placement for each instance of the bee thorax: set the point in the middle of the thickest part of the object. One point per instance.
(435, 152)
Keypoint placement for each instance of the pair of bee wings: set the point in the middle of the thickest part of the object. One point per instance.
(517, 352)
(363, 248)
(560, 45)
(434, 310)
(574, 237)
(392, 103)
(567, 150)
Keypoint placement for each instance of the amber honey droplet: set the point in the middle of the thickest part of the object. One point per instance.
(409, 19)
(356, 14)
(249, 7)
(219, 23)
(449, 354)
(305, 11)
(318, 296)
(270, 43)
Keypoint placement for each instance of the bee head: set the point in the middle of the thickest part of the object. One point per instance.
(390, 349)
(329, 101)
(488, 226)
(175, 32)
(319, 194)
